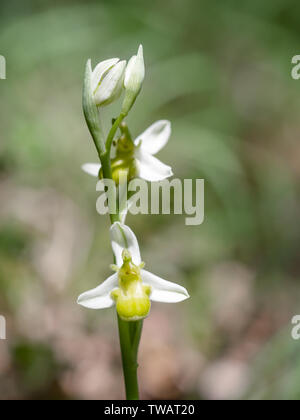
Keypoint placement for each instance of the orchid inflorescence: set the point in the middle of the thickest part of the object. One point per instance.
(131, 288)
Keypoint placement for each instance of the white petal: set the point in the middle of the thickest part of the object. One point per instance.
(150, 168)
(122, 237)
(91, 168)
(99, 297)
(112, 84)
(155, 137)
(163, 290)
(99, 71)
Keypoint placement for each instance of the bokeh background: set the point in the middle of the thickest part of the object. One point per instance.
(221, 72)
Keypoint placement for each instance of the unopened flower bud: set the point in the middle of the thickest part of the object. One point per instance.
(134, 77)
(108, 81)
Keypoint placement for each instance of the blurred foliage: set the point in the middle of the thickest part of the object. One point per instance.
(36, 365)
(221, 73)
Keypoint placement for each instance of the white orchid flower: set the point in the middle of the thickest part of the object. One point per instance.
(134, 77)
(147, 144)
(107, 81)
(131, 288)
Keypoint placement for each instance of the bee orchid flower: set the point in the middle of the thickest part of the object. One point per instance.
(130, 288)
(139, 158)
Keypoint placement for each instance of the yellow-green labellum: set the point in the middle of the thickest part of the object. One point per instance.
(132, 297)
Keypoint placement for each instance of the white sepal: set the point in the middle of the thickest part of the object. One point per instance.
(163, 290)
(99, 298)
(150, 168)
(100, 70)
(91, 168)
(111, 85)
(122, 237)
(155, 137)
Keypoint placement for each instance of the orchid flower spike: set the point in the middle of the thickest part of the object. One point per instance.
(139, 159)
(134, 77)
(131, 288)
(107, 81)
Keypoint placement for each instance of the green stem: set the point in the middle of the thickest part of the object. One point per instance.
(136, 332)
(107, 174)
(113, 130)
(129, 351)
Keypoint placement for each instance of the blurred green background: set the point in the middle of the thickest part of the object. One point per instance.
(221, 72)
